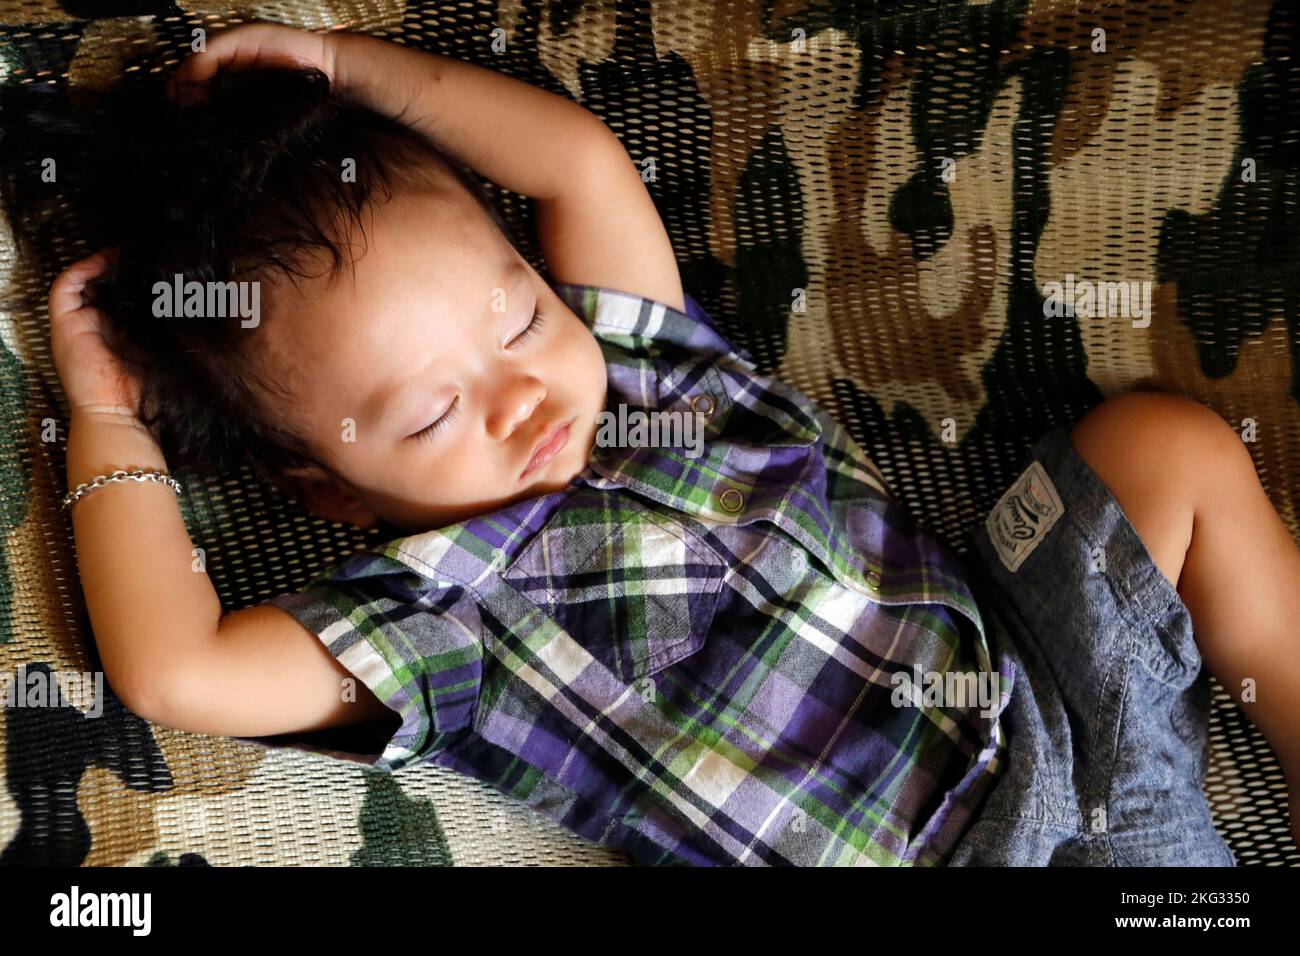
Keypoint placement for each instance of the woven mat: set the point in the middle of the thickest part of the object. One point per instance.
(919, 170)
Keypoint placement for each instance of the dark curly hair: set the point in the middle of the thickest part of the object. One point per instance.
(248, 185)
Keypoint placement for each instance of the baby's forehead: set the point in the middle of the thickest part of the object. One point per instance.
(362, 323)
(440, 239)
(446, 236)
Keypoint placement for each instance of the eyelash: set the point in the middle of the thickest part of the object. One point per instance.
(447, 418)
(450, 415)
(531, 329)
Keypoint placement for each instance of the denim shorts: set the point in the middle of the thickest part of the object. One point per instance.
(1109, 709)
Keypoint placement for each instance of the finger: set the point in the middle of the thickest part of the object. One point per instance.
(112, 255)
(192, 89)
(66, 294)
(77, 341)
(187, 84)
(234, 48)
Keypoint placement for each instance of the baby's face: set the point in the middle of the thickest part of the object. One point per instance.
(424, 378)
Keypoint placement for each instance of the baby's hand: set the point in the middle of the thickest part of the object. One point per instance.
(94, 381)
(254, 44)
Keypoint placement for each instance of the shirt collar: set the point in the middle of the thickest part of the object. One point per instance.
(758, 460)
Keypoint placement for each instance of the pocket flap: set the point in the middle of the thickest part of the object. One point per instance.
(637, 589)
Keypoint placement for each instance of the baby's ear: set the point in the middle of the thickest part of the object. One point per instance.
(325, 496)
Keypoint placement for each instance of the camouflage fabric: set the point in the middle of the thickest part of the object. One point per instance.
(885, 192)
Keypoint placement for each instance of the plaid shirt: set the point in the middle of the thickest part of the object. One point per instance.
(689, 659)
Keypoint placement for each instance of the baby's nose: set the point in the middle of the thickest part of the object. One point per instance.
(515, 403)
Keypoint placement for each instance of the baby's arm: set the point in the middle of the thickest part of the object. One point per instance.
(596, 222)
(167, 650)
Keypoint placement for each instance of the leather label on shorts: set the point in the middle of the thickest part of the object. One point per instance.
(1023, 516)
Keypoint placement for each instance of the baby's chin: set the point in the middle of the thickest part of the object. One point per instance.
(582, 446)
(550, 483)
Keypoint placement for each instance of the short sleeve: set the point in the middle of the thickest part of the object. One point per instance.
(415, 643)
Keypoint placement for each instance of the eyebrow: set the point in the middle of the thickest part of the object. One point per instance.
(379, 407)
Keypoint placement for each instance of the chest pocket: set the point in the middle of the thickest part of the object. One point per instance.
(639, 594)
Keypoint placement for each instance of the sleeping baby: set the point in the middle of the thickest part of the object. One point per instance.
(625, 578)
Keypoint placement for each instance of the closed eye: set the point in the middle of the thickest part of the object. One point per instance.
(443, 421)
(532, 329)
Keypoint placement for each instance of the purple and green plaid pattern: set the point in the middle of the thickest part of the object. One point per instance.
(689, 677)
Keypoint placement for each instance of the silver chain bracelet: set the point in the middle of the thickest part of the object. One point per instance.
(120, 475)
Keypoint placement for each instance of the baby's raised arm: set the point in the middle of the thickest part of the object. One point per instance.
(596, 222)
(157, 619)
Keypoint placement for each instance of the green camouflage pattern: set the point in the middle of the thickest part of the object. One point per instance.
(874, 198)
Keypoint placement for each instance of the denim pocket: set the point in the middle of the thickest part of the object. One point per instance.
(1167, 644)
(636, 589)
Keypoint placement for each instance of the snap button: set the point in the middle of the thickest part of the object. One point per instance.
(702, 404)
(732, 500)
(799, 559)
(873, 580)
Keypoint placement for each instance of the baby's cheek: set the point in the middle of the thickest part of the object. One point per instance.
(597, 377)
